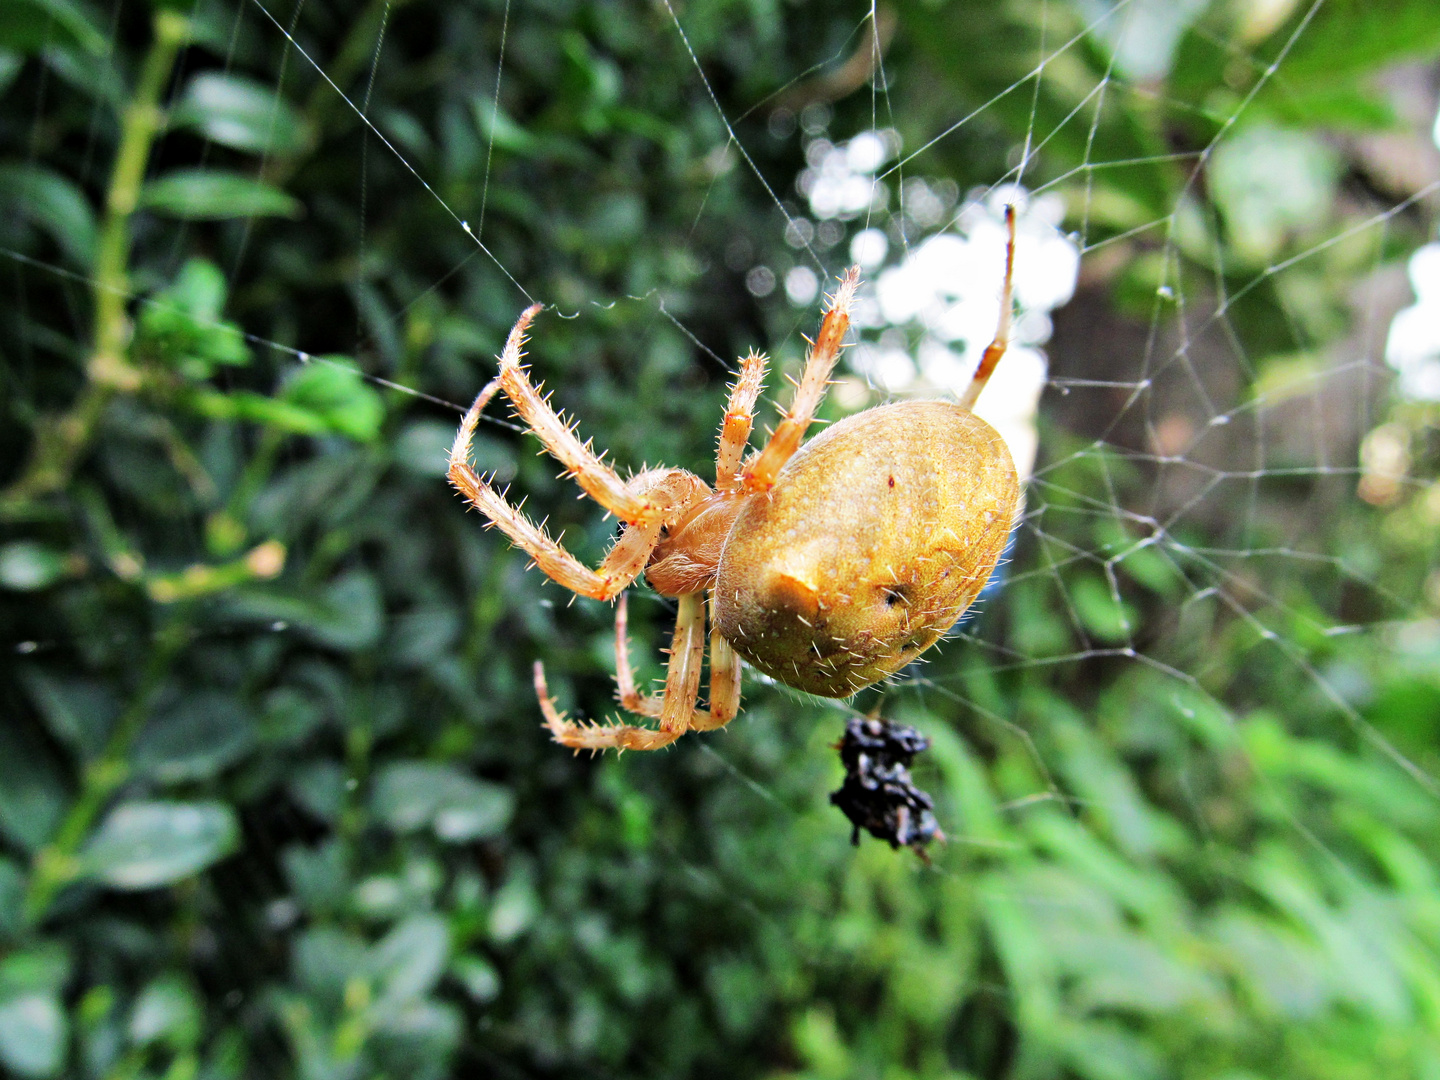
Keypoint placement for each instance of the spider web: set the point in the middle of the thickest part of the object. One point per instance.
(1176, 478)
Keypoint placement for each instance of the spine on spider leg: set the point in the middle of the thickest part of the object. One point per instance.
(995, 351)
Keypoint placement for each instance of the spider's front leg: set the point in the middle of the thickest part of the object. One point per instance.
(595, 478)
(621, 565)
(677, 707)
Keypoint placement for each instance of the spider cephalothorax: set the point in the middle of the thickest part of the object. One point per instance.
(828, 565)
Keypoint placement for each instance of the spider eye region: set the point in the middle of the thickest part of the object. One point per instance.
(877, 536)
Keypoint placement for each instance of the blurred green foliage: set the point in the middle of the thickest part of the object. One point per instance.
(274, 796)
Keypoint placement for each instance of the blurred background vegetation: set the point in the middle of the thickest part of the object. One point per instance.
(274, 796)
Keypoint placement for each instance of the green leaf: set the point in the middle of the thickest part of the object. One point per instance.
(257, 408)
(1347, 38)
(1327, 105)
(411, 795)
(241, 113)
(334, 392)
(514, 909)
(289, 717)
(30, 25)
(33, 1034)
(207, 195)
(32, 795)
(52, 203)
(327, 959)
(1151, 569)
(10, 65)
(181, 325)
(45, 967)
(423, 634)
(12, 894)
(423, 448)
(508, 136)
(318, 876)
(166, 1010)
(1113, 799)
(1142, 34)
(198, 291)
(348, 614)
(142, 845)
(425, 1030)
(97, 77)
(26, 566)
(354, 613)
(319, 786)
(1283, 970)
(1269, 181)
(327, 397)
(1102, 616)
(1103, 1050)
(79, 711)
(196, 738)
(478, 976)
(411, 958)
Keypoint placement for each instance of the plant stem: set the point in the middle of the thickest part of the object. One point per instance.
(59, 442)
(55, 864)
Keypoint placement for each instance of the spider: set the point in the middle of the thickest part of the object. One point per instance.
(828, 566)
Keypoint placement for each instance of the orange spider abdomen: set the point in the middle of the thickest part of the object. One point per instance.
(877, 536)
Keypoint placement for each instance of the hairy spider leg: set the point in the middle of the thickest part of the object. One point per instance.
(995, 351)
(621, 565)
(739, 419)
(724, 678)
(682, 689)
(759, 475)
(595, 478)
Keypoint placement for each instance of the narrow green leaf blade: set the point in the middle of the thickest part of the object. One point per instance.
(51, 202)
(208, 195)
(240, 113)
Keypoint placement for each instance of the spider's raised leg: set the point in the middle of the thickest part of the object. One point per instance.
(622, 564)
(682, 688)
(739, 419)
(760, 474)
(995, 351)
(595, 478)
(724, 679)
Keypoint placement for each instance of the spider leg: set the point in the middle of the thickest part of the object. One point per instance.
(621, 565)
(759, 474)
(995, 351)
(631, 699)
(739, 419)
(595, 478)
(724, 679)
(682, 688)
